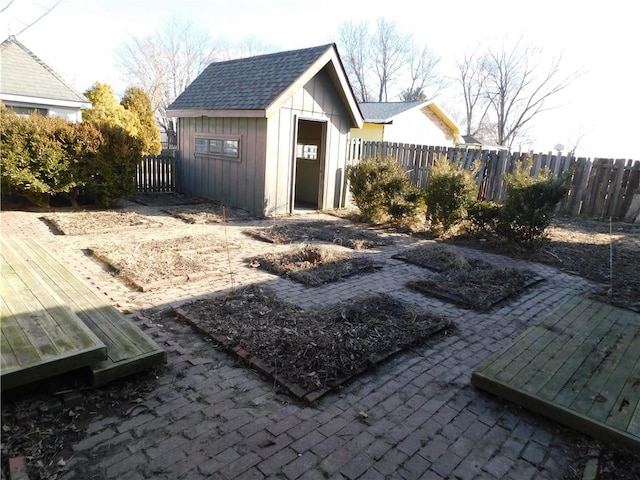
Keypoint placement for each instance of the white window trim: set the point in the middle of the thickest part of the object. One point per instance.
(223, 138)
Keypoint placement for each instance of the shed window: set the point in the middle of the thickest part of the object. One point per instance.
(219, 147)
(310, 152)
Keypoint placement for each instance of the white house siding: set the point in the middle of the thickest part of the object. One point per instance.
(317, 100)
(414, 127)
(231, 182)
(71, 114)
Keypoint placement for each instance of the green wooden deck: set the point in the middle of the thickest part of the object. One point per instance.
(46, 287)
(580, 367)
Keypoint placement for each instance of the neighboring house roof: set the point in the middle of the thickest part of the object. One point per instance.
(385, 112)
(258, 86)
(24, 77)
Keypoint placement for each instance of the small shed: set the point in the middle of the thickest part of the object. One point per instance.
(27, 84)
(269, 133)
(418, 122)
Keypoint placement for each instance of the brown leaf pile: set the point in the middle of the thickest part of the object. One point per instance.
(313, 266)
(155, 260)
(467, 281)
(207, 213)
(434, 256)
(86, 223)
(314, 349)
(323, 231)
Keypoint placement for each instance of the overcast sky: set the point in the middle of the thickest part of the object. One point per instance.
(78, 39)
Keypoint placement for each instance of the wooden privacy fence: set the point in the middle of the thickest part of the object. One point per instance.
(156, 174)
(599, 188)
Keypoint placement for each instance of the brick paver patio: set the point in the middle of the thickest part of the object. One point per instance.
(415, 416)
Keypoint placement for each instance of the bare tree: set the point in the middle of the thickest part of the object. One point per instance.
(164, 63)
(356, 56)
(379, 61)
(472, 77)
(425, 83)
(249, 46)
(390, 49)
(519, 87)
(505, 87)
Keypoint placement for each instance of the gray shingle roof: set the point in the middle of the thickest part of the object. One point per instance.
(380, 112)
(248, 83)
(24, 74)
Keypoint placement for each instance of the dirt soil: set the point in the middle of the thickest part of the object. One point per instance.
(606, 253)
(41, 422)
(314, 350)
(357, 237)
(477, 287)
(89, 222)
(314, 265)
(207, 213)
(151, 264)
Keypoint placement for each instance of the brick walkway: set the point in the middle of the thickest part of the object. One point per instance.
(416, 416)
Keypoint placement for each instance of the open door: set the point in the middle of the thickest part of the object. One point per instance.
(309, 165)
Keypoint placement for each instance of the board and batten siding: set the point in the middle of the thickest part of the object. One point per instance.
(228, 181)
(317, 100)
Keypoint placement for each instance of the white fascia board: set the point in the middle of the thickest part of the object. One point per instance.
(34, 101)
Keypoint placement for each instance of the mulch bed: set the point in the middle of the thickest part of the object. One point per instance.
(434, 256)
(208, 213)
(313, 266)
(158, 263)
(349, 236)
(169, 198)
(90, 222)
(311, 352)
(468, 282)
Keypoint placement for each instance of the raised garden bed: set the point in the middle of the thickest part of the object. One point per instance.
(164, 199)
(207, 213)
(313, 265)
(311, 352)
(320, 231)
(90, 222)
(468, 282)
(157, 263)
(434, 256)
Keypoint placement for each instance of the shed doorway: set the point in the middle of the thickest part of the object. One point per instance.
(309, 165)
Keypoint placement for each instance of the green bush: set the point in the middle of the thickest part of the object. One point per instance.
(44, 156)
(381, 189)
(109, 174)
(484, 216)
(450, 190)
(40, 155)
(407, 209)
(530, 203)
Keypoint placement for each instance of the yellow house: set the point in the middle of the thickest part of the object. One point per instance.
(417, 122)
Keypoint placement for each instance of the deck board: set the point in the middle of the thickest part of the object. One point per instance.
(580, 366)
(129, 349)
(41, 336)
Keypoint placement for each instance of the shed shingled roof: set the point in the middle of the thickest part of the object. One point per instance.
(24, 74)
(251, 83)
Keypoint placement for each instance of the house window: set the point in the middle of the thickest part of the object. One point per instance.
(29, 110)
(226, 146)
